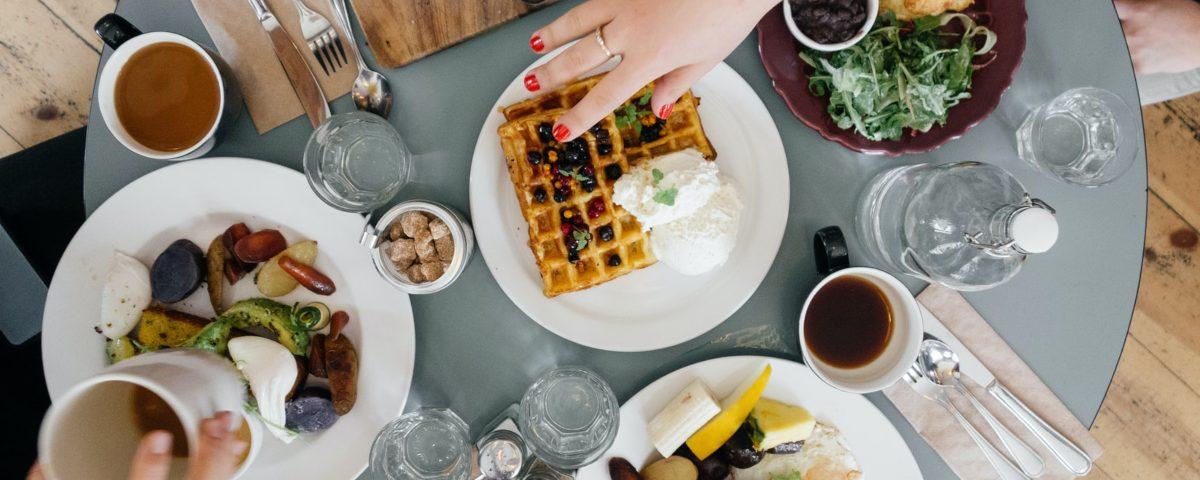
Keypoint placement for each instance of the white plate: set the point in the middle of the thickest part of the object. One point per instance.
(875, 443)
(654, 307)
(197, 200)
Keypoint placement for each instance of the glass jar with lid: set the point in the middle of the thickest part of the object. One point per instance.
(969, 226)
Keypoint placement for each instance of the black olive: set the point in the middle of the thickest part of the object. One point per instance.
(534, 157)
(539, 195)
(614, 260)
(739, 449)
(613, 172)
(715, 467)
(545, 132)
(606, 233)
(786, 448)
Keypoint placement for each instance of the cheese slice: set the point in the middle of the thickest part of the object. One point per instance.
(686, 413)
(734, 410)
(781, 423)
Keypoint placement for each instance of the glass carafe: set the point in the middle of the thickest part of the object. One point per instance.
(968, 226)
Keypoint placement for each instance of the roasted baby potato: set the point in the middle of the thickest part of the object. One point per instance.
(159, 328)
(215, 280)
(341, 364)
(272, 281)
(673, 468)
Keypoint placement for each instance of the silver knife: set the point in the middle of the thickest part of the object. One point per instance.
(1066, 452)
(297, 70)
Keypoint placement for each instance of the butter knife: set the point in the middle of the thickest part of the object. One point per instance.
(301, 77)
(1066, 452)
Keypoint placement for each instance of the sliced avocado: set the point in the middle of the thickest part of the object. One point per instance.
(214, 337)
(273, 316)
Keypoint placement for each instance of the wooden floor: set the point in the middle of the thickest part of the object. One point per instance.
(1150, 422)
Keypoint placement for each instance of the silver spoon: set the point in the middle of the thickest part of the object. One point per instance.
(371, 92)
(940, 364)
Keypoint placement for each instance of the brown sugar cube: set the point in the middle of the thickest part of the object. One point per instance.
(415, 275)
(426, 251)
(445, 248)
(413, 222)
(402, 252)
(432, 271)
(438, 228)
(395, 232)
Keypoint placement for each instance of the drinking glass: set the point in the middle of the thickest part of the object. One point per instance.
(356, 162)
(1085, 136)
(569, 417)
(428, 444)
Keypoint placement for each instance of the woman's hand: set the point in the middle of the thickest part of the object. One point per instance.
(1163, 35)
(219, 453)
(672, 41)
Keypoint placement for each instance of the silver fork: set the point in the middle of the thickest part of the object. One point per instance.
(932, 391)
(322, 38)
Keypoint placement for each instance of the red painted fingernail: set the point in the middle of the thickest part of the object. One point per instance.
(531, 83)
(665, 112)
(535, 42)
(561, 132)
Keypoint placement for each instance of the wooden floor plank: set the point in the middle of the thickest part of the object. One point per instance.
(8, 145)
(1173, 146)
(47, 74)
(1150, 423)
(80, 15)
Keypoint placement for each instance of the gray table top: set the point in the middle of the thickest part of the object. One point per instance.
(1067, 314)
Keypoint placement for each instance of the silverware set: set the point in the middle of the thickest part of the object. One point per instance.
(936, 374)
(370, 92)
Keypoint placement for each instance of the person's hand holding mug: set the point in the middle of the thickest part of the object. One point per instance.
(673, 42)
(218, 457)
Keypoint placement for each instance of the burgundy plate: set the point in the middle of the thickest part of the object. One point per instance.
(789, 74)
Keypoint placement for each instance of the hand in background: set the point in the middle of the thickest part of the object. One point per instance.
(672, 41)
(217, 458)
(1163, 35)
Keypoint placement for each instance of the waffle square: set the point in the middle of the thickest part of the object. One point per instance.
(547, 236)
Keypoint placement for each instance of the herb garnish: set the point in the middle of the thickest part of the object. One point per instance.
(899, 76)
(582, 238)
(627, 115)
(663, 196)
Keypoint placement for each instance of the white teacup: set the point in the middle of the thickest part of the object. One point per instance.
(899, 353)
(92, 432)
(126, 40)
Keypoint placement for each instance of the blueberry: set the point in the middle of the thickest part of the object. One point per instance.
(572, 255)
(613, 172)
(596, 129)
(588, 184)
(534, 157)
(574, 157)
(559, 196)
(602, 134)
(578, 144)
(651, 133)
(604, 148)
(614, 260)
(545, 132)
(606, 233)
(539, 195)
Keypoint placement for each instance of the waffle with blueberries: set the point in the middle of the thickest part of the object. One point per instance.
(578, 236)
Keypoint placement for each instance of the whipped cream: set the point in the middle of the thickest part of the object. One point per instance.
(667, 188)
(700, 242)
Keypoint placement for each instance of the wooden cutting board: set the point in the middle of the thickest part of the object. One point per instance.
(400, 32)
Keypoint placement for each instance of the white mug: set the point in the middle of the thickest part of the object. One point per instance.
(126, 40)
(91, 432)
(898, 355)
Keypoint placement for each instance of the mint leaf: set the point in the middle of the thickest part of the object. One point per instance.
(645, 98)
(658, 176)
(666, 197)
(582, 238)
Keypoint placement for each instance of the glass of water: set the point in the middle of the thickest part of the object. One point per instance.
(569, 417)
(428, 444)
(356, 162)
(1085, 136)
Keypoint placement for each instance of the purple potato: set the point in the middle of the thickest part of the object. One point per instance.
(177, 272)
(310, 413)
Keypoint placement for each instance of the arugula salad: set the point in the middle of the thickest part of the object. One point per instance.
(901, 75)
